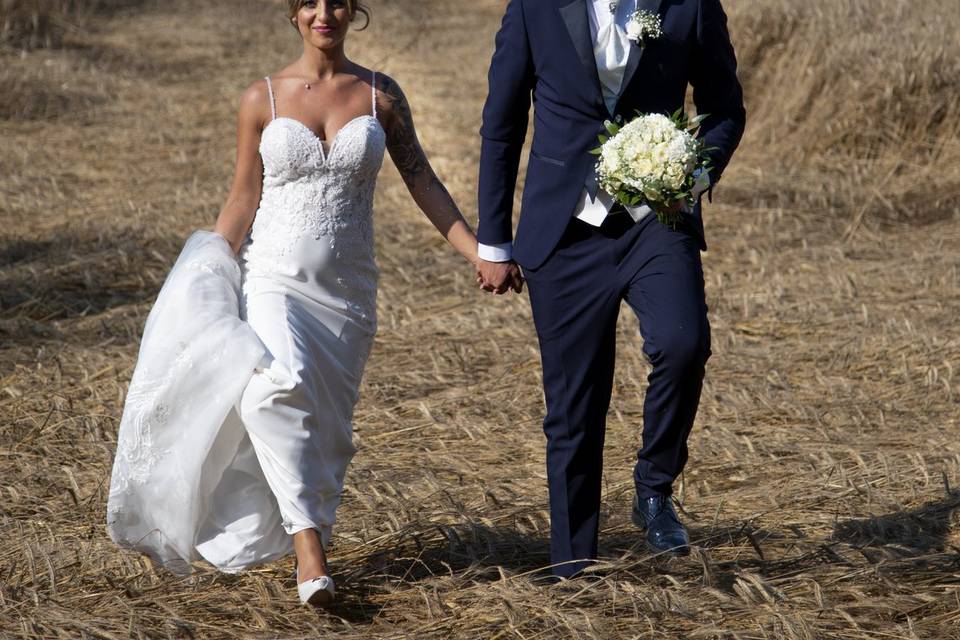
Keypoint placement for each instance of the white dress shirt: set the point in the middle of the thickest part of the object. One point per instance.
(611, 51)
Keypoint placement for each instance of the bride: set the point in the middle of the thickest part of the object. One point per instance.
(236, 432)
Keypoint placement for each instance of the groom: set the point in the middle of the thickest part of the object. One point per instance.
(582, 253)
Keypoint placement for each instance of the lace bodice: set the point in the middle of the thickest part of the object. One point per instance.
(313, 192)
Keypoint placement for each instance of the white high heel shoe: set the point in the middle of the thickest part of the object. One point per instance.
(318, 592)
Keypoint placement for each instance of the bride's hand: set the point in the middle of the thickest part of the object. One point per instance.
(499, 277)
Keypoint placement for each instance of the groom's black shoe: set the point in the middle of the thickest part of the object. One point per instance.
(664, 530)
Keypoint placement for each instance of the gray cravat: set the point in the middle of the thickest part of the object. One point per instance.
(611, 52)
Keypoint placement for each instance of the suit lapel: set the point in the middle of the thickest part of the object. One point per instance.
(636, 51)
(575, 17)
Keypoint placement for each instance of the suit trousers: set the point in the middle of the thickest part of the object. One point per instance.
(576, 296)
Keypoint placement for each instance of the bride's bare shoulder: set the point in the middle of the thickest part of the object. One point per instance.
(255, 100)
(255, 106)
(391, 100)
(387, 85)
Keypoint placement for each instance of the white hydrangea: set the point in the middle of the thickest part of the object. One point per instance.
(651, 157)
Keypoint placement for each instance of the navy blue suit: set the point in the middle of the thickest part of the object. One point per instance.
(577, 274)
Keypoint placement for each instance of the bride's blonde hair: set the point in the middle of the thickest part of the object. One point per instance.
(355, 7)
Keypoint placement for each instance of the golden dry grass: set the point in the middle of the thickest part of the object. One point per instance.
(47, 23)
(821, 487)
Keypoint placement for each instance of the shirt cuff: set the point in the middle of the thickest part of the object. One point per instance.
(638, 212)
(502, 252)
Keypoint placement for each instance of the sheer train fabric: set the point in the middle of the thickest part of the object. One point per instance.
(179, 432)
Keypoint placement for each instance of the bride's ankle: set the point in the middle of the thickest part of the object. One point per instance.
(308, 569)
(311, 558)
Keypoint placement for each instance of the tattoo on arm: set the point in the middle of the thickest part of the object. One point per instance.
(411, 161)
(442, 188)
(401, 136)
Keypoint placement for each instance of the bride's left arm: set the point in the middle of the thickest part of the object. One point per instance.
(426, 188)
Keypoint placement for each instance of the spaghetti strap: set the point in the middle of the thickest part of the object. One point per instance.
(373, 85)
(273, 101)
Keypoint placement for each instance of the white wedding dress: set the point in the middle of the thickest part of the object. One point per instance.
(236, 432)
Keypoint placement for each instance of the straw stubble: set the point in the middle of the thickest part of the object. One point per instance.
(820, 490)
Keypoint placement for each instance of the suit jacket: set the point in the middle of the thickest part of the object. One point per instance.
(544, 55)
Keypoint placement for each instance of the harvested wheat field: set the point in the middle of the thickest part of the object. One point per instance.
(823, 489)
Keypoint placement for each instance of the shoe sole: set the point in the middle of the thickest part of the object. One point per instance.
(673, 552)
(321, 598)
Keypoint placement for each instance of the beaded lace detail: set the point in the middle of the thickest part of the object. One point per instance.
(306, 192)
(309, 191)
(214, 267)
(136, 453)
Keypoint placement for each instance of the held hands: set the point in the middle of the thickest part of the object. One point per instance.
(499, 277)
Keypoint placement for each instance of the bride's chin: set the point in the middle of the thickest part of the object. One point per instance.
(324, 42)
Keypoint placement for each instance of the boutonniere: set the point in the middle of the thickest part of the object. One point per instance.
(643, 26)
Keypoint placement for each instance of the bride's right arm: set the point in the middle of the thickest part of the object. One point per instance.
(238, 211)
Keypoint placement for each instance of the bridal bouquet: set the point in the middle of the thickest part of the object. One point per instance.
(652, 159)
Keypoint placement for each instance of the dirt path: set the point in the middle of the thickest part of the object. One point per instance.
(818, 485)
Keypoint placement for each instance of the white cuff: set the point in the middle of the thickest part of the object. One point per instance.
(638, 212)
(502, 252)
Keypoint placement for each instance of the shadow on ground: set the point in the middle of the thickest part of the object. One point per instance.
(910, 541)
(67, 274)
(923, 529)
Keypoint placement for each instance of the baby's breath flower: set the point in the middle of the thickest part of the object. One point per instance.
(644, 25)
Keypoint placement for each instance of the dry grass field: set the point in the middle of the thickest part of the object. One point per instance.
(823, 490)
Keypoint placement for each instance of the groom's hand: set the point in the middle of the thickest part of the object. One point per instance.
(671, 208)
(499, 277)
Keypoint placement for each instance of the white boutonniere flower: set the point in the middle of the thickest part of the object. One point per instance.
(643, 26)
